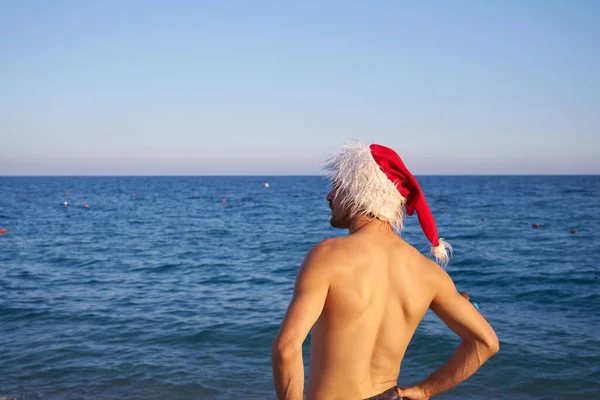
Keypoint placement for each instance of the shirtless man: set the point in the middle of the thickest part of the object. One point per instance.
(364, 295)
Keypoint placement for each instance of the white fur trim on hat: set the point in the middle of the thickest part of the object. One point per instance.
(364, 187)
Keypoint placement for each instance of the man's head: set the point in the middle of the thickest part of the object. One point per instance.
(372, 181)
(361, 188)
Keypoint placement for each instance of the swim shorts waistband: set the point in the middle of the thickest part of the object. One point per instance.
(390, 394)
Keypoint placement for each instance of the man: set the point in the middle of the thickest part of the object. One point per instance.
(363, 295)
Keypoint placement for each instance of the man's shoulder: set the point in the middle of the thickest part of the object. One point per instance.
(320, 261)
(330, 247)
(434, 275)
(328, 253)
(426, 267)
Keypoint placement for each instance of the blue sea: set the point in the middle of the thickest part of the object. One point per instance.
(173, 287)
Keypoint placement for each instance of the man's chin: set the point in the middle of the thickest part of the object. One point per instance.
(335, 223)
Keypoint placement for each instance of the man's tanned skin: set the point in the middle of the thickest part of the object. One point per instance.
(363, 297)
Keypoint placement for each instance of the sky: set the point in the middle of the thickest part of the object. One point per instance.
(273, 88)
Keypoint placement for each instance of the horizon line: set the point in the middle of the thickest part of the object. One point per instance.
(267, 175)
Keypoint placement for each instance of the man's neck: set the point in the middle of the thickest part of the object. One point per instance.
(363, 222)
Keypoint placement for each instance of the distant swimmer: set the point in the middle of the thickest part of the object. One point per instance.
(466, 296)
(362, 296)
(3, 231)
(86, 205)
(266, 184)
(223, 201)
(66, 203)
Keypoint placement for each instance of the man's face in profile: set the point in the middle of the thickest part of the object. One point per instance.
(339, 214)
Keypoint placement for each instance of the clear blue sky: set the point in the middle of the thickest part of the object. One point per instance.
(257, 87)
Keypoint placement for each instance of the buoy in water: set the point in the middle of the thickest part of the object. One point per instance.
(536, 225)
(3, 231)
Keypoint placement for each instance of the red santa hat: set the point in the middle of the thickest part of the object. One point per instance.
(373, 181)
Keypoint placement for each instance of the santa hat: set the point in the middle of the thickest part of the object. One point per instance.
(373, 181)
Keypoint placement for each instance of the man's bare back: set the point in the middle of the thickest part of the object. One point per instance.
(362, 296)
(377, 297)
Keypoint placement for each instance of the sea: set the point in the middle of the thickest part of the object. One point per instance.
(174, 287)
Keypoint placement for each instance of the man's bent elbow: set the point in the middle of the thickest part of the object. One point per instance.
(492, 344)
(283, 352)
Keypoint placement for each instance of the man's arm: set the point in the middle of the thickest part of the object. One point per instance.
(479, 341)
(310, 292)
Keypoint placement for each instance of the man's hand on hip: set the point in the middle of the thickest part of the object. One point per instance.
(412, 393)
